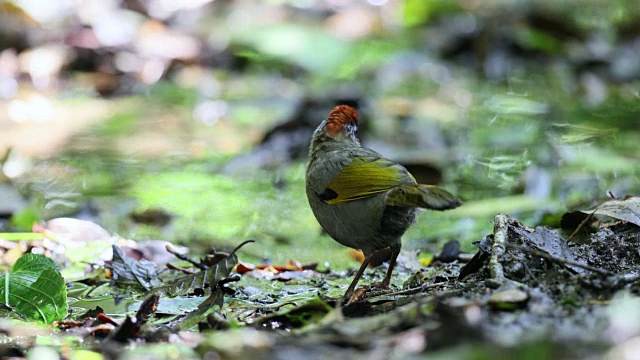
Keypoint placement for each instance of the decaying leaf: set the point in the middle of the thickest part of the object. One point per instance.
(546, 240)
(128, 270)
(201, 280)
(131, 327)
(290, 270)
(211, 304)
(625, 209)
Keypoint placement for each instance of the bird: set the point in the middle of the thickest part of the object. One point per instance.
(360, 198)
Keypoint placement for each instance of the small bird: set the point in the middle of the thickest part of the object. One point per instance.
(360, 198)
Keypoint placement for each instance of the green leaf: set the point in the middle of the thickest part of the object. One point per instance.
(33, 263)
(35, 289)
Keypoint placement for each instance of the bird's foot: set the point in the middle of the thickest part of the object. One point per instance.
(384, 285)
(357, 296)
(360, 293)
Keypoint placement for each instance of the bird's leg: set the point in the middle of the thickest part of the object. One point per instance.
(395, 251)
(352, 287)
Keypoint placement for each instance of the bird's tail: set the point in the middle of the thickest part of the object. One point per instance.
(422, 196)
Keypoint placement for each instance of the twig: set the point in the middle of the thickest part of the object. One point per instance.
(500, 231)
(416, 290)
(199, 264)
(544, 255)
(215, 257)
(175, 267)
(241, 245)
(410, 291)
(182, 257)
(611, 195)
(618, 280)
(582, 223)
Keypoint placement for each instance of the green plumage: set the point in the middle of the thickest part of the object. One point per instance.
(361, 199)
(422, 196)
(364, 177)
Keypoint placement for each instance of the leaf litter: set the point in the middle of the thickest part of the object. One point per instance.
(523, 286)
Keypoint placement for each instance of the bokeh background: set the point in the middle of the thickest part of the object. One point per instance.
(189, 121)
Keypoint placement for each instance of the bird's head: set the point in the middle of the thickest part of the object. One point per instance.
(342, 124)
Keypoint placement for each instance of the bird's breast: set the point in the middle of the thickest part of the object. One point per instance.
(366, 224)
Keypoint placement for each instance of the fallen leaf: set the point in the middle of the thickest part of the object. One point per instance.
(625, 209)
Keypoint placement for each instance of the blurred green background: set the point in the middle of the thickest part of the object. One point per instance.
(188, 121)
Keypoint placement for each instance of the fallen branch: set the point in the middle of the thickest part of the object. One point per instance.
(500, 232)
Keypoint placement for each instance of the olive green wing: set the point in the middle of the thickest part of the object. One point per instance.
(364, 177)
